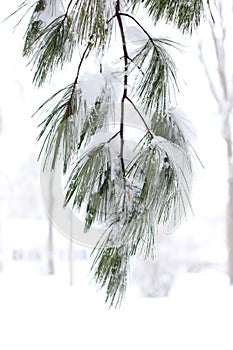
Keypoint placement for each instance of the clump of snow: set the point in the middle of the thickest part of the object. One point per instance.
(135, 35)
(91, 85)
(155, 141)
(184, 123)
(52, 11)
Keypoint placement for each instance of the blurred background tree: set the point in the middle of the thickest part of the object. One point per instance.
(215, 54)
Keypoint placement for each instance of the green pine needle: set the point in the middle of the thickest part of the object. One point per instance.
(59, 127)
(159, 76)
(184, 14)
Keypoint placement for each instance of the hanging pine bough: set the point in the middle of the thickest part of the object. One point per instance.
(131, 194)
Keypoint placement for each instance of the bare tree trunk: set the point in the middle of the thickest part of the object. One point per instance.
(1, 210)
(228, 140)
(222, 92)
(71, 265)
(51, 269)
(1, 261)
(230, 228)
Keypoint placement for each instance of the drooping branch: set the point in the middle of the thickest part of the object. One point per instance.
(150, 185)
(141, 116)
(124, 96)
(143, 29)
(77, 77)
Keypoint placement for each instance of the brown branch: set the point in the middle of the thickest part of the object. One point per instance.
(68, 7)
(76, 78)
(124, 96)
(113, 137)
(143, 29)
(65, 15)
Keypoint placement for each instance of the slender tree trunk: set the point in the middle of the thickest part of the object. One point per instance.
(230, 227)
(1, 210)
(230, 211)
(1, 260)
(228, 138)
(71, 265)
(222, 92)
(51, 269)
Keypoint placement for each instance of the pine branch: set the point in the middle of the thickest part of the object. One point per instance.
(90, 18)
(52, 41)
(91, 185)
(111, 269)
(185, 15)
(20, 7)
(170, 128)
(143, 30)
(59, 127)
(124, 96)
(58, 131)
(58, 39)
(154, 87)
(97, 117)
(141, 116)
(131, 197)
(84, 55)
(158, 193)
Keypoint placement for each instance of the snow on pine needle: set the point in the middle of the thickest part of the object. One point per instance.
(129, 189)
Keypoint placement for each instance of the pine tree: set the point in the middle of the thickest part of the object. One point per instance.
(132, 196)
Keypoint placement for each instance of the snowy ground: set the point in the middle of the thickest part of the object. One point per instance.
(38, 311)
(46, 313)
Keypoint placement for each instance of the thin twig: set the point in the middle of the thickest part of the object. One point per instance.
(143, 29)
(76, 78)
(110, 19)
(137, 66)
(68, 7)
(65, 15)
(141, 116)
(211, 14)
(113, 137)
